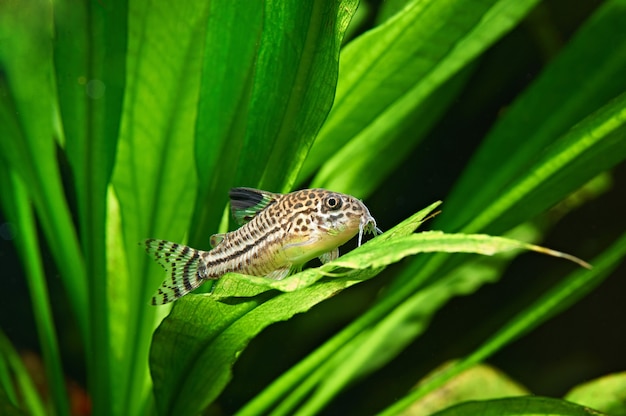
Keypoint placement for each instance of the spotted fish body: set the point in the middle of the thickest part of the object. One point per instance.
(280, 234)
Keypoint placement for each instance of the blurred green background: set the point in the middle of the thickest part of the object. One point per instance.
(266, 145)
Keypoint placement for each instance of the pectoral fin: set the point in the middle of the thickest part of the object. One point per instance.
(330, 256)
(279, 274)
(216, 239)
(245, 203)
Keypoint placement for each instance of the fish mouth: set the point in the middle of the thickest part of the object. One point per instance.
(367, 225)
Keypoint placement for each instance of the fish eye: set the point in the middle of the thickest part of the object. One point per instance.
(333, 202)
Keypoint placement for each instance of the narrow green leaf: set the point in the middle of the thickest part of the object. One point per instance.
(435, 241)
(186, 358)
(557, 299)
(607, 394)
(7, 390)
(589, 148)
(529, 405)
(583, 78)
(7, 407)
(402, 323)
(19, 210)
(27, 143)
(391, 71)
(30, 400)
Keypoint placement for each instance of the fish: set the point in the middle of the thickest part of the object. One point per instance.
(279, 233)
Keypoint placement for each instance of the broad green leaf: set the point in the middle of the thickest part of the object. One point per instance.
(607, 394)
(387, 80)
(527, 406)
(262, 106)
(196, 345)
(584, 77)
(238, 285)
(224, 97)
(154, 177)
(480, 382)
(215, 332)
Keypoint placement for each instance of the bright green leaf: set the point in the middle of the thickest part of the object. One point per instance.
(154, 177)
(480, 382)
(583, 78)
(607, 394)
(197, 344)
(388, 78)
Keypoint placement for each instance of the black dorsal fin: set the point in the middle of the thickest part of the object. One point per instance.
(245, 203)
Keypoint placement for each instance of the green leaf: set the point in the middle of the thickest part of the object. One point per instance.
(7, 407)
(581, 83)
(530, 173)
(188, 355)
(387, 337)
(480, 382)
(407, 306)
(385, 102)
(27, 141)
(10, 360)
(607, 394)
(261, 108)
(554, 301)
(154, 181)
(592, 146)
(90, 89)
(19, 211)
(529, 405)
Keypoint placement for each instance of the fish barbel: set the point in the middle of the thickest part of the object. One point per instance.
(280, 233)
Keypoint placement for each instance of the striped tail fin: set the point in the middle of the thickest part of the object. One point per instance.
(184, 264)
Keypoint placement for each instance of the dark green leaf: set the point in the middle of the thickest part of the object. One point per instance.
(583, 78)
(388, 78)
(261, 108)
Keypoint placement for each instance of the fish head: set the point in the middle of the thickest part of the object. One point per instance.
(323, 220)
